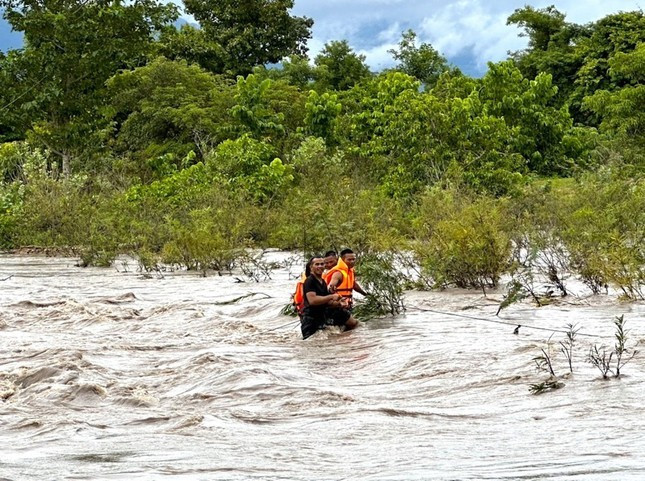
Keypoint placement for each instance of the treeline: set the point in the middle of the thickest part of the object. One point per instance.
(122, 133)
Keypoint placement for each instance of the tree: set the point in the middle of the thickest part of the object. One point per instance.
(338, 67)
(621, 112)
(193, 45)
(577, 57)
(166, 109)
(541, 25)
(71, 48)
(544, 133)
(322, 115)
(551, 48)
(611, 35)
(297, 71)
(252, 109)
(251, 32)
(422, 62)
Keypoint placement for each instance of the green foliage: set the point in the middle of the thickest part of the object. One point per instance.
(250, 165)
(423, 62)
(297, 71)
(71, 49)
(51, 213)
(252, 108)
(623, 353)
(514, 293)
(322, 114)
(311, 160)
(11, 198)
(461, 242)
(384, 283)
(163, 111)
(369, 108)
(577, 57)
(544, 134)
(604, 233)
(420, 138)
(201, 243)
(192, 45)
(327, 208)
(536, 220)
(621, 111)
(270, 182)
(452, 84)
(11, 160)
(338, 67)
(614, 34)
(251, 33)
(542, 26)
(241, 157)
(551, 47)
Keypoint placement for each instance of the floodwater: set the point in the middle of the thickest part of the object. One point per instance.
(110, 374)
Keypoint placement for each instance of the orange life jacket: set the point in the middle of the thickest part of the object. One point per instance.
(299, 295)
(346, 287)
(327, 275)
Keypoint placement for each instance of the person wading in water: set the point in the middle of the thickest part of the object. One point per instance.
(298, 297)
(341, 278)
(322, 308)
(331, 259)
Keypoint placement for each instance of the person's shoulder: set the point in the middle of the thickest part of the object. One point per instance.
(310, 282)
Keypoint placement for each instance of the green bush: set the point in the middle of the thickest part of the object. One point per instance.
(465, 242)
(605, 233)
(202, 243)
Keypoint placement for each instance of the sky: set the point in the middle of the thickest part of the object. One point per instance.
(469, 33)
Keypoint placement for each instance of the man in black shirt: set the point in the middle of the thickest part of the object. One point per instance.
(321, 307)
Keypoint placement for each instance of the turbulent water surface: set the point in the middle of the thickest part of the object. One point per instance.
(110, 374)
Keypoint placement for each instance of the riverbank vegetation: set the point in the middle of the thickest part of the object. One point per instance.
(121, 133)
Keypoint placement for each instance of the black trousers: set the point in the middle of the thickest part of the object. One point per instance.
(333, 317)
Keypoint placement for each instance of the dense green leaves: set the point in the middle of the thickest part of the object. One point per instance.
(251, 32)
(167, 108)
(338, 67)
(56, 81)
(422, 62)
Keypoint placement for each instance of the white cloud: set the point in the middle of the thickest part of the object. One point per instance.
(378, 58)
(469, 26)
(455, 28)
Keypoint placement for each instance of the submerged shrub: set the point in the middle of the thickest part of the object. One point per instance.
(466, 243)
(380, 278)
(605, 233)
(199, 244)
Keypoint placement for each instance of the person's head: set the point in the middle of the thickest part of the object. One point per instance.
(308, 267)
(331, 258)
(316, 266)
(348, 257)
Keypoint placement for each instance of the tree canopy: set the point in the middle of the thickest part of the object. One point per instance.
(251, 32)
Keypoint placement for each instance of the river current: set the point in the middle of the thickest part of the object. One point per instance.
(106, 374)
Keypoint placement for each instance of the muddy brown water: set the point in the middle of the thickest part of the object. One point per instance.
(107, 374)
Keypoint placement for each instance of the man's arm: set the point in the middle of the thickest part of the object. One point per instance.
(359, 289)
(334, 282)
(316, 300)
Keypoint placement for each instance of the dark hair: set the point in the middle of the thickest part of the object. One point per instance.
(308, 266)
(331, 253)
(346, 251)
